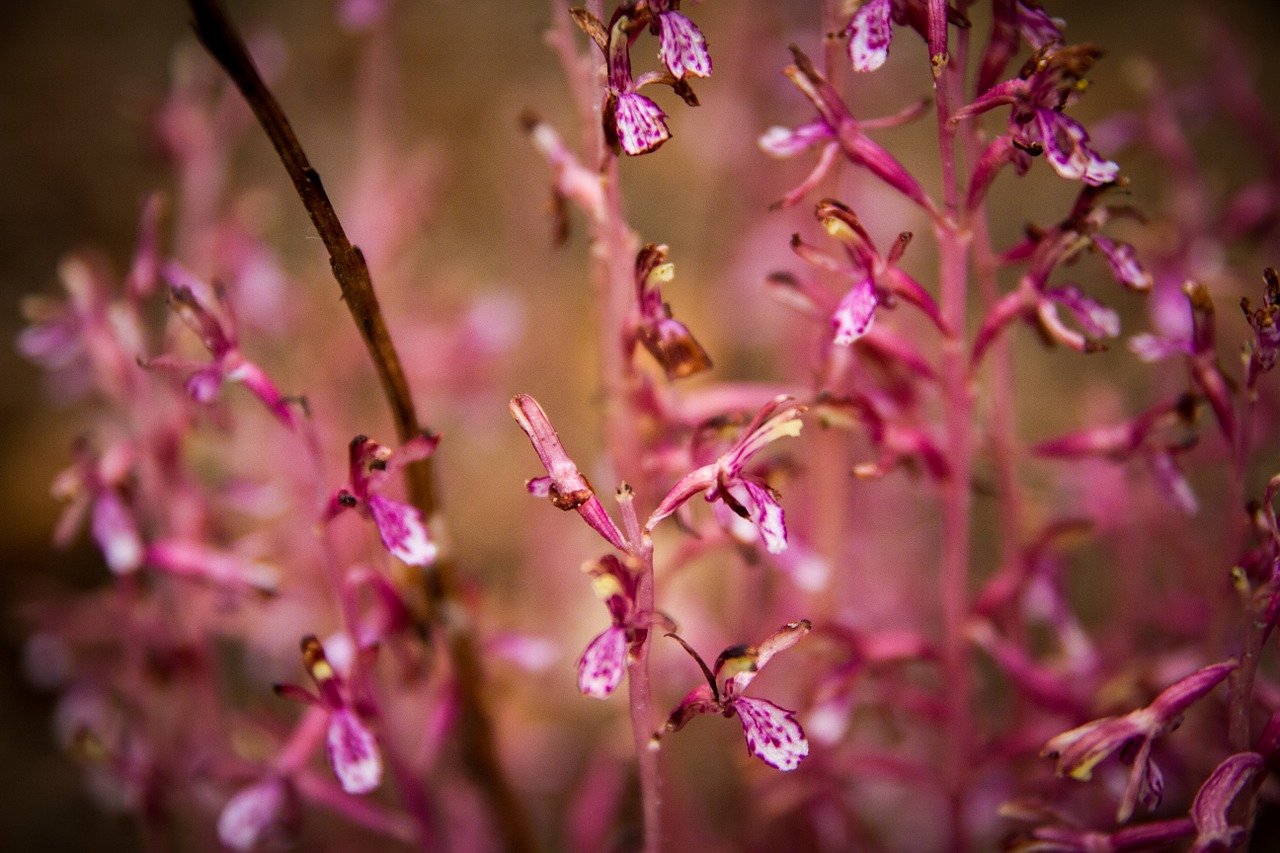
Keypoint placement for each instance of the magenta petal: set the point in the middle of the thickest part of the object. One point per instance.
(1064, 146)
(855, 313)
(601, 666)
(353, 753)
(640, 123)
(249, 816)
(767, 516)
(870, 33)
(772, 733)
(116, 534)
(402, 531)
(1123, 264)
(202, 386)
(683, 46)
(780, 141)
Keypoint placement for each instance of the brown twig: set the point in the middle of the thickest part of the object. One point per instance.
(226, 46)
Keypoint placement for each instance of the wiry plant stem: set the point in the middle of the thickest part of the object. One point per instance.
(226, 46)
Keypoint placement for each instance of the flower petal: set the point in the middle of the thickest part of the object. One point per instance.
(402, 530)
(855, 313)
(116, 534)
(780, 141)
(772, 733)
(767, 516)
(1123, 264)
(683, 46)
(640, 124)
(353, 753)
(249, 816)
(601, 666)
(1064, 146)
(870, 33)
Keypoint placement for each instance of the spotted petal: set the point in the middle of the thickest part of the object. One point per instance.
(772, 733)
(640, 123)
(353, 753)
(1064, 146)
(601, 666)
(683, 46)
(402, 531)
(855, 313)
(870, 33)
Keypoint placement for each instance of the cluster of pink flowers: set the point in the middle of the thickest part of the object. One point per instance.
(1037, 575)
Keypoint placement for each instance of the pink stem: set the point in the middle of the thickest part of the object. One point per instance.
(953, 249)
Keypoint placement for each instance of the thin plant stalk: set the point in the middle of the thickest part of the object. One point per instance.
(227, 47)
(953, 251)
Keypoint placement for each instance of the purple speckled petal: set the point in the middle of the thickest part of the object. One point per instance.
(870, 33)
(683, 46)
(353, 753)
(1064, 146)
(855, 313)
(640, 124)
(601, 666)
(772, 733)
(402, 530)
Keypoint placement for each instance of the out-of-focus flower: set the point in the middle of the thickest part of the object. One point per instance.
(771, 731)
(399, 524)
(218, 335)
(668, 340)
(1156, 435)
(726, 479)
(838, 132)
(1080, 750)
(1060, 833)
(1265, 322)
(351, 747)
(564, 485)
(96, 486)
(254, 813)
(1211, 809)
(876, 280)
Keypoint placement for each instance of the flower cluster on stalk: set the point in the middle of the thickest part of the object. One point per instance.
(633, 123)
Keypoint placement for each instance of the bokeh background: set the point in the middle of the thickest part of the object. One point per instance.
(81, 80)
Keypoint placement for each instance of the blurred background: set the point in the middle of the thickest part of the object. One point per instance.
(81, 83)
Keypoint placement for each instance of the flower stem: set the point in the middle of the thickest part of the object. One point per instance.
(953, 250)
(225, 45)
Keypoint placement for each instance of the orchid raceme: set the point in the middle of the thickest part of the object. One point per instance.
(772, 733)
(1034, 502)
(726, 480)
